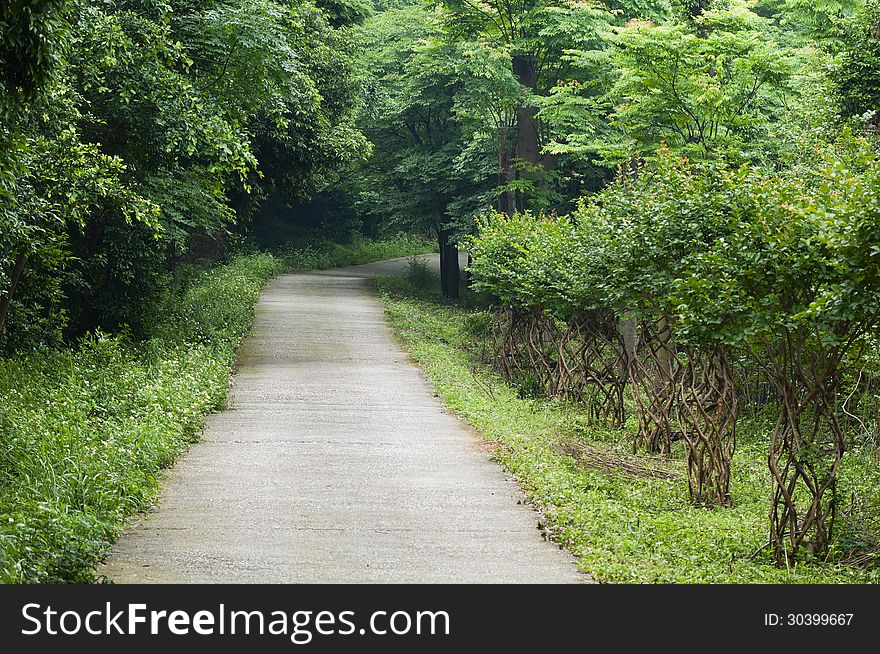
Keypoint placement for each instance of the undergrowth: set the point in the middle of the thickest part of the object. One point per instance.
(624, 520)
(85, 431)
(359, 250)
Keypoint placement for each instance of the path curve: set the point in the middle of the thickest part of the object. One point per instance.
(335, 463)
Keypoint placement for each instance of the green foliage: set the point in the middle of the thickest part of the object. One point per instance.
(419, 274)
(132, 130)
(471, 106)
(728, 150)
(216, 310)
(345, 12)
(58, 182)
(706, 90)
(84, 433)
(816, 19)
(317, 138)
(426, 172)
(320, 255)
(622, 527)
(531, 262)
(732, 255)
(451, 104)
(857, 76)
(624, 248)
(32, 34)
(778, 269)
(801, 254)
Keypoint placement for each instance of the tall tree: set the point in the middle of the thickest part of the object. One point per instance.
(534, 35)
(857, 77)
(425, 170)
(131, 128)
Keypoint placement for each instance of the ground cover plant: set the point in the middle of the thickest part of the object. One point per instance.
(87, 430)
(628, 518)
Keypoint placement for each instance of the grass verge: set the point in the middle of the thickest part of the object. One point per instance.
(85, 432)
(626, 518)
(327, 254)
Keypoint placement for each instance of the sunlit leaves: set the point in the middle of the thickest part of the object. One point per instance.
(707, 91)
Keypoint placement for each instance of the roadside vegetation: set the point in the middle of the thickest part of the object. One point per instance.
(671, 212)
(671, 209)
(85, 431)
(628, 518)
(320, 254)
(149, 152)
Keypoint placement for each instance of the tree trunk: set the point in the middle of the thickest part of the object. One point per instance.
(665, 351)
(5, 303)
(450, 274)
(626, 326)
(528, 143)
(442, 238)
(654, 376)
(506, 174)
(453, 283)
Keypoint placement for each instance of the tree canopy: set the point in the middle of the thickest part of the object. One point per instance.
(132, 127)
(674, 197)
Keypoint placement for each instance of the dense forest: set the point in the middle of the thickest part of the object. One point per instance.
(671, 211)
(150, 153)
(136, 132)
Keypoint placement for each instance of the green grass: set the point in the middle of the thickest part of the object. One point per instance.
(622, 527)
(86, 431)
(326, 254)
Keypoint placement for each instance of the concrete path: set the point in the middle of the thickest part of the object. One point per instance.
(335, 463)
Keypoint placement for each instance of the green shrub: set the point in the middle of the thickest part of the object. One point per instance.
(624, 526)
(217, 308)
(419, 273)
(84, 433)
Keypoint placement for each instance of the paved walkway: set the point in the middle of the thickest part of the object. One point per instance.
(335, 463)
